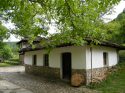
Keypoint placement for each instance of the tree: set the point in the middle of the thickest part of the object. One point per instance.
(75, 19)
(113, 30)
(4, 32)
(116, 29)
(5, 51)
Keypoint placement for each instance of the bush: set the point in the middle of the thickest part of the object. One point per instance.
(14, 59)
(12, 62)
(122, 56)
(5, 51)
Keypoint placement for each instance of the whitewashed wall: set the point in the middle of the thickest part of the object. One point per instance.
(97, 56)
(78, 57)
(81, 57)
(39, 53)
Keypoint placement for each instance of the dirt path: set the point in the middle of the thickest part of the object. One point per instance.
(37, 84)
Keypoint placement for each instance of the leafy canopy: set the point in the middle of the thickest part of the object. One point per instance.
(75, 19)
(4, 32)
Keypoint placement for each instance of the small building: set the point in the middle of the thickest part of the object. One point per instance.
(22, 44)
(65, 60)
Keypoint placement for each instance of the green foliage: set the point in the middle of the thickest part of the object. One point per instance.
(14, 60)
(5, 51)
(122, 53)
(116, 29)
(12, 44)
(14, 49)
(6, 64)
(3, 32)
(75, 19)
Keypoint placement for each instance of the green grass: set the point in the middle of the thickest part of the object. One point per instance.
(115, 82)
(6, 64)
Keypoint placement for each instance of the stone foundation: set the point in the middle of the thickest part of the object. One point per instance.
(79, 71)
(94, 75)
(97, 74)
(43, 71)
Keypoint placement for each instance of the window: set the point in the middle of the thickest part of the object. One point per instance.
(34, 59)
(46, 60)
(105, 58)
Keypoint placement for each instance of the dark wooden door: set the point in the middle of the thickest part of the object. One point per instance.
(66, 65)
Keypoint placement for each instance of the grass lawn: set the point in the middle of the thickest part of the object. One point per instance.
(5, 64)
(115, 82)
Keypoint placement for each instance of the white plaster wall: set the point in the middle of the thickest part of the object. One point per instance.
(78, 57)
(28, 57)
(97, 56)
(81, 56)
(113, 58)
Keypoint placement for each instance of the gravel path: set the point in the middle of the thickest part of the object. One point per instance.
(37, 84)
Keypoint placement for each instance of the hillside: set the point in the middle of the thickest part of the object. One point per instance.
(12, 44)
(14, 48)
(116, 29)
(121, 16)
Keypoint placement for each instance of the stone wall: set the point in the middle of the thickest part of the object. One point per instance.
(43, 71)
(96, 74)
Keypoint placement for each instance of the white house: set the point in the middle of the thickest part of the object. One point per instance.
(62, 62)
